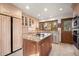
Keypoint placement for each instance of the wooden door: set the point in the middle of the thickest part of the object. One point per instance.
(66, 30)
(5, 35)
(17, 34)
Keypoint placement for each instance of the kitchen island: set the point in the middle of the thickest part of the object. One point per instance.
(37, 44)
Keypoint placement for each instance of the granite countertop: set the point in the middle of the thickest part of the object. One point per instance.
(36, 37)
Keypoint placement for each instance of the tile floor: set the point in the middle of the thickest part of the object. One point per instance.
(62, 50)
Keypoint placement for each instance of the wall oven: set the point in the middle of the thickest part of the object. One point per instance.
(75, 31)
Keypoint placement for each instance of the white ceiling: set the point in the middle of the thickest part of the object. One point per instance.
(53, 9)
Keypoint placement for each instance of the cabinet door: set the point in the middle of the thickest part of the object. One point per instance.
(29, 48)
(45, 48)
(6, 35)
(66, 31)
(17, 34)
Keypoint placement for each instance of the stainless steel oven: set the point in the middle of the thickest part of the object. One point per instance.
(75, 31)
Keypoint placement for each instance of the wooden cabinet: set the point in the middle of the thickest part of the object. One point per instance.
(27, 21)
(24, 21)
(10, 9)
(30, 24)
(10, 33)
(5, 38)
(66, 31)
(6, 41)
(45, 46)
(33, 48)
(75, 7)
(17, 34)
(41, 25)
(48, 25)
(29, 47)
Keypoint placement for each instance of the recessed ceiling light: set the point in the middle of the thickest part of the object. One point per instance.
(60, 9)
(45, 9)
(27, 7)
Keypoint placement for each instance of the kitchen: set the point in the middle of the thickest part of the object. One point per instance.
(50, 30)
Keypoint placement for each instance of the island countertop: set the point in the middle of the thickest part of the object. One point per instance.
(36, 37)
(39, 44)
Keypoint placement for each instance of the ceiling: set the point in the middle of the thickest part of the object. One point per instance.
(53, 9)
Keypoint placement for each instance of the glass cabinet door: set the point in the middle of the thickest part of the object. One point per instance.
(54, 26)
(25, 21)
(67, 25)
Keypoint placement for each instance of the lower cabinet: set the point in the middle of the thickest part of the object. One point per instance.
(29, 47)
(45, 46)
(41, 48)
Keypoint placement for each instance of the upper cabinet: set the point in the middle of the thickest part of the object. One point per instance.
(10, 9)
(75, 7)
(27, 21)
(48, 25)
(30, 24)
(24, 21)
(67, 25)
